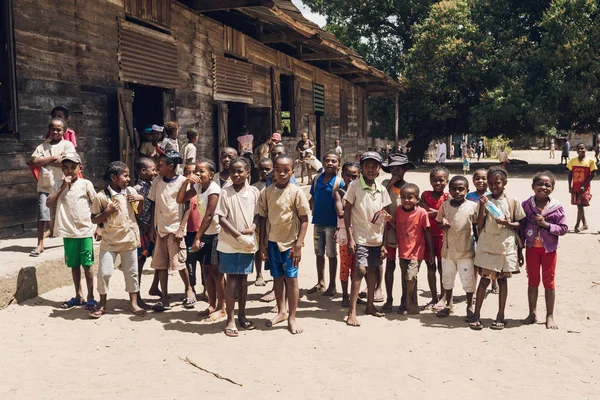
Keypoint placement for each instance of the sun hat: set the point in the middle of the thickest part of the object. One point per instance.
(397, 160)
(276, 136)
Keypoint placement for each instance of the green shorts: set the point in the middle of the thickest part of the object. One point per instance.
(79, 252)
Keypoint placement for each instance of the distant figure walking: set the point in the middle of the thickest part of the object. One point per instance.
(566, 147)
(441, 152)
(552, 147)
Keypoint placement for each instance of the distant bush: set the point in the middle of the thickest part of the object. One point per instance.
(495, 144)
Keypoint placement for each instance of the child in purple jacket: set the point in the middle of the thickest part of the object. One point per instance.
(545, 221)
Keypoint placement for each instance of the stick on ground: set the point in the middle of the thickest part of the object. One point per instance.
(187, 360)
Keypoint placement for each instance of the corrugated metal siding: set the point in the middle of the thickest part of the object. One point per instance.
(232, 80)
(147, 57)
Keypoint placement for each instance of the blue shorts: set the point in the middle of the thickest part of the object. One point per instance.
(279, 263)
(236, 263)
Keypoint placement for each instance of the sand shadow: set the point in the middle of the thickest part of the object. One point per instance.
(25, 249)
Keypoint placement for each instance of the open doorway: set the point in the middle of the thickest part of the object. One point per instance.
(286, 84)
(236, 120)
(147, 106)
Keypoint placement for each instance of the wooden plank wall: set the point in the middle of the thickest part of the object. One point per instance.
(66, 54)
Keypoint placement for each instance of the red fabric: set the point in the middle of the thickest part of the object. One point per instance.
(438, 242)
(193, 224)
(35, 170)
(537, 258)
(435, 204)
(347, 263)
(410, 233)
(69, 136)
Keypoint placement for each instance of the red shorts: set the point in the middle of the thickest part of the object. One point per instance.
(347, 263)
(391, 253)
(438, 242)
(537, 257)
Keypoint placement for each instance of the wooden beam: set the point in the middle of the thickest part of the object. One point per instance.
(366, 79)
(321, 57)
(281, 38)
(217, 5)
(345, 70)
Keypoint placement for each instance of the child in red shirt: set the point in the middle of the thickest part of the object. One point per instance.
(431, 201)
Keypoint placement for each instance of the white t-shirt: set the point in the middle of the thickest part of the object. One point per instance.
(189, 151)
(239, 208)
(167, 213)
(50, 178)
(314, 163)
(338, 150)
(214, 188)
(366, 201)
(73, 211)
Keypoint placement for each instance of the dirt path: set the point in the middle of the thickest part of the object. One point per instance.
(50, 353)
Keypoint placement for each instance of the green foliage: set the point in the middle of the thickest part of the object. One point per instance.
(490, 67)
(495, 144)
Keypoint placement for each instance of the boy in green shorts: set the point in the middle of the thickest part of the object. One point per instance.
(73, 202)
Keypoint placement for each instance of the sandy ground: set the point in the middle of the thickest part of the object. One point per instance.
(64, 354)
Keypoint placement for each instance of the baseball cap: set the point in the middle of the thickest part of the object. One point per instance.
(74, 157)
(276, 136)
(370, 155)
(397, 160)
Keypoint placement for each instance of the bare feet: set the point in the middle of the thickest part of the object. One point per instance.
(550, 324)
(584, 228)
(387, 307)
(413, 310)
(374, 312)
(138, 312)
(531, 319)
(206, 313)
(280, 317)
(352, 320)
(217, 315)
(260, 281)
(268, 297)
(345, 301)
(331, 291)
(293, 327)
(319, 287)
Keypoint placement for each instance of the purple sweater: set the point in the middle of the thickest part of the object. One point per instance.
(553, 213)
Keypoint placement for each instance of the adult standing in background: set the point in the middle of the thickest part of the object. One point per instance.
(304, 144)
(479, 148)
(338, 150)
(441, 152)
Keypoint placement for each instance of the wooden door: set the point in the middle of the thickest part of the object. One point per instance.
(297, 121)
(222, 111)
(127, 148)
(276, 100)
(169, 111)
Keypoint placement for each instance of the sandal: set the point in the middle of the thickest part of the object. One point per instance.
(35, 253)
(90, 305)
(71, 303)
(97, 313)
(247, 325)
(444, 313)
(498, 325)
(140, 313)
(476, 325)
(189, 302)
(231, 332)
(386, 308)
(160, 307)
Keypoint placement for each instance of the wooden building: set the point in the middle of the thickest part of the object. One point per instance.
(212, 65)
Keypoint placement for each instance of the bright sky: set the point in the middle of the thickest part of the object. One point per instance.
(316, 18)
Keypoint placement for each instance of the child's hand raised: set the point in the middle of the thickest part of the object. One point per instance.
(483, 200)
(67, 180)
(112, 207)
(193, 178)
(539, 219)
(134, 197)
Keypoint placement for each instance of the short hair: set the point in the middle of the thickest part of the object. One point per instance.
(280, 145)
(114, 168)
(242, 160)
(56, 119)
(64, 110)
(538, 177)
(480, 170)
(332, 153)
(283, 157)
(171, 127)
(581, 144)
(190, 164)
(459, 178)
(438, 168)
(411, 186)
(211, 165)
(228, 148)
(143, 162)
(350, 164)
(265, 160)
(191, 134)
(497, 171)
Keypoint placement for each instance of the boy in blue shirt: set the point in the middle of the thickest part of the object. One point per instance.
(324, 219)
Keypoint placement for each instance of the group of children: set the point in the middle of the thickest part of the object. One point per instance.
(220, 220)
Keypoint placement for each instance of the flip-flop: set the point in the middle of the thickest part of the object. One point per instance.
(429, 306)
(444, 313)
(498, 325)
(90, 305)
(160, 307)
(189, 302)
(231, 332)
(377, 314)
(140, 313)
(387, 308)
(476, 325)
(362, 295)
(315, 289)
(35, 253)
(402, 309)
(73, 302)
(470, 317)
(247, 325)
(379, 299)
(97, 313)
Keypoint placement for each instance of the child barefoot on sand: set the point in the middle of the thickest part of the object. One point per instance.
(284, 213)
(456, 217)
(581, 172)
(397, 165)
(545, 221)
(365, 220)
(412, 233)
(497, 255)
(481, 189)
(431, 200)
(238, 217)
(115, 207)
(265, 168)
(207, 192)
(73, 202)
(350, 172)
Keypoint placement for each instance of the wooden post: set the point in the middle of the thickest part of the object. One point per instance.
(222, 127)
(396, 120)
